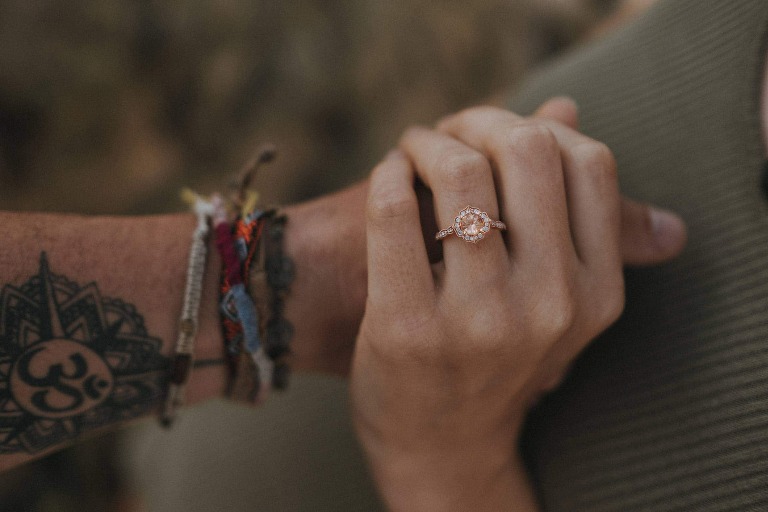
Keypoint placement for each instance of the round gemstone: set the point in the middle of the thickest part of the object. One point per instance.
(471, 223)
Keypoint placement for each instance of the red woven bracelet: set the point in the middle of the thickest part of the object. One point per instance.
(246, 233)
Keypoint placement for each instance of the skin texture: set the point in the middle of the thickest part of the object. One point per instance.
(422, 446)
(135, 268)
(140, 264)
(451, 355)
(328, 234)
(437, 408)
(128, 275)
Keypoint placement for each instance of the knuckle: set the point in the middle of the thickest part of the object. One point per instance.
(603, 312)
(555, 310)
(479, 111)
(613, 304)
(527, 135)
(480, 115)
(459, 169)
(596, 159)
(562, 316)
(385, 206)
(411, 132)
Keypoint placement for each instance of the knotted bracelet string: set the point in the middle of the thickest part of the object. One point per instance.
(266, 274)
(240, 318)
(256, 334)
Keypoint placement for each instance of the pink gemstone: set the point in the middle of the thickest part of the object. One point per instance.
(471, 223)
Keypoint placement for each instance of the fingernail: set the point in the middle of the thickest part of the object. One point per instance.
(668, 228)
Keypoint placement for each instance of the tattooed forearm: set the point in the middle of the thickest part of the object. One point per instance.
(71, 361)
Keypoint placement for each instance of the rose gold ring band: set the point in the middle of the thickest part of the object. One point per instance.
(471, 224)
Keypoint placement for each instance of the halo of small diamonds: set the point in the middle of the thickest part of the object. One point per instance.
(471, 224)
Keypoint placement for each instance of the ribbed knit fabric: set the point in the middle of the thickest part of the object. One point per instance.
(668, 411)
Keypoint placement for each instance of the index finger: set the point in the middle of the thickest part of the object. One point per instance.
(399, 275)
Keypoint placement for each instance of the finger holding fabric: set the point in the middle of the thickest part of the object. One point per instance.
(327, 240)
(649, 235)
(646, 235)
(593, 210)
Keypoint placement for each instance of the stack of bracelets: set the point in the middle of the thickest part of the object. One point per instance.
(255, 281)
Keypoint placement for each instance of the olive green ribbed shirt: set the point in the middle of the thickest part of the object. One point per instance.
(669, 409)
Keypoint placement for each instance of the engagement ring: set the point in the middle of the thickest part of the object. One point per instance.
(471, 224)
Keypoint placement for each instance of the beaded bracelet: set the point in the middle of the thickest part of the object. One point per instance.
(280, 274)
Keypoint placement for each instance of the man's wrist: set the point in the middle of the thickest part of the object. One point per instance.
(326, 240)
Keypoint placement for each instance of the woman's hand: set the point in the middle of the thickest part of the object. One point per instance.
(450, 357)
(326, 239)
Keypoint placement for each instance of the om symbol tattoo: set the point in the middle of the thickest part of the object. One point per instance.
(71, 360)
(60, 378)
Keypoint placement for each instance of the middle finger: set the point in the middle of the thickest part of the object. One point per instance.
(528, 168)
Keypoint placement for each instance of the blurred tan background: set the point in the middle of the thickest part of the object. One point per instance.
(108, 107)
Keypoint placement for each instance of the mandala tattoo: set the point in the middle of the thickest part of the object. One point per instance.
(71, 361)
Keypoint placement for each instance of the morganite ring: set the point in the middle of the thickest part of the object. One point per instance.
(471, 224)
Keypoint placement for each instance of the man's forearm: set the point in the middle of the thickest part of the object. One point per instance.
(90, 310)
(88, 318)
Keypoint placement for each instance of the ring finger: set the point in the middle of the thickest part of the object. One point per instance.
(459, 176)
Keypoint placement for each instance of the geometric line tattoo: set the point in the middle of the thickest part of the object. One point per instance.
(71, 361)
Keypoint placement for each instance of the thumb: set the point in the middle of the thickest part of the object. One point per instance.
(561, 109)
(649, 235)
